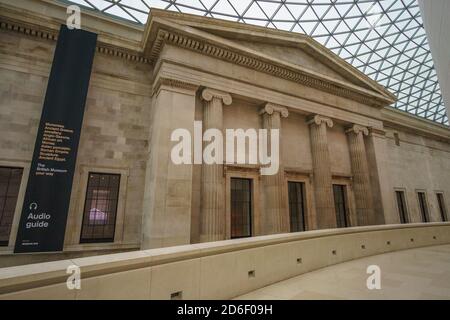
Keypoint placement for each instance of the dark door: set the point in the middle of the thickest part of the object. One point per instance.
(340, 205)
(296, 191)
(442, 209)
(401, 203)
(10, 179)
(241, 208)
(423, 206)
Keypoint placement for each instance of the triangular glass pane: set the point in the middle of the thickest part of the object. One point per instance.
(254, 12)
(224, 7)
(98, 4)
(308, 26)
(239, 5)
(296, 9)
(309, 15)
(283, 14)
(320, 10)
(84, 3)
(269, 7)
(332, 14)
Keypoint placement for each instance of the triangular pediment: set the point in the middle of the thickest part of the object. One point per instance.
(298, 57)
(283, 49)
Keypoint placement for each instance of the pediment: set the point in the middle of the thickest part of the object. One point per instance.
(296, 56)
(296, 53)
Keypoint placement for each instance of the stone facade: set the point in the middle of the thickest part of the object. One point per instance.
(335, 127)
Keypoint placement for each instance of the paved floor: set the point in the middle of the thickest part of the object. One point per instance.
(422, 273)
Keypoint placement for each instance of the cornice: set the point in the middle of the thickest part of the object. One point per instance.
(118, 52)
(51, 33)
(43, 33)
(229, 54)
(234, 30)
(36, 24)
(401, 120)
(123, 41)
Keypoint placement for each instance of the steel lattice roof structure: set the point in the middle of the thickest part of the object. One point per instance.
(384, 39)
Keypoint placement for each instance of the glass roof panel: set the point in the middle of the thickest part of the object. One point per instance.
(385, 39)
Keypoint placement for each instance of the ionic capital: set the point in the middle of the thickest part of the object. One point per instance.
(356, 129)
(270, 108)
(318, 120)
(209, 94)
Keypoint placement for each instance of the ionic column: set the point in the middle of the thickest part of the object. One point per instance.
(323, 188)
(376, 157)
(276, 216)
(361, 176)
(212, 226)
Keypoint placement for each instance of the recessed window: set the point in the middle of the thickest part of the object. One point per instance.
(441, 204)
(10, 179)
(100, 208)
(423, 206)
(241, 207)
(396, 139)
(401, 204)
(340, 205)
(296, 193)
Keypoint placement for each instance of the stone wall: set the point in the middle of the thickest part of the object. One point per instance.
(418, 163)
(114, 136)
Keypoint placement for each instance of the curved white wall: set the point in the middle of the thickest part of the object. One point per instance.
(436, 18)
(216, 270)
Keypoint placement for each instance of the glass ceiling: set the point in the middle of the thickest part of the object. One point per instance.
(385, 39)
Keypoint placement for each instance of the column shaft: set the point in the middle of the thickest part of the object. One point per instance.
(276, 216)
(212, 186)
(323, 189)
(361, 176)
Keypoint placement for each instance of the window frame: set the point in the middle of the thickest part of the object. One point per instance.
(346, 179)
(25, 166)
(7, 242)
(424, 217)
(305, 177)
(251, 192)
(405, 194)
(304, 203)
(444, 214)
(100, 240)
(347, 217)
(73, 236)
(241, 172)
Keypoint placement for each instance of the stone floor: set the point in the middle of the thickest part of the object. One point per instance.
(422, 273)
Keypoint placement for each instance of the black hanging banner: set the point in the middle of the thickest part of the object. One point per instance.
(46, 204)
